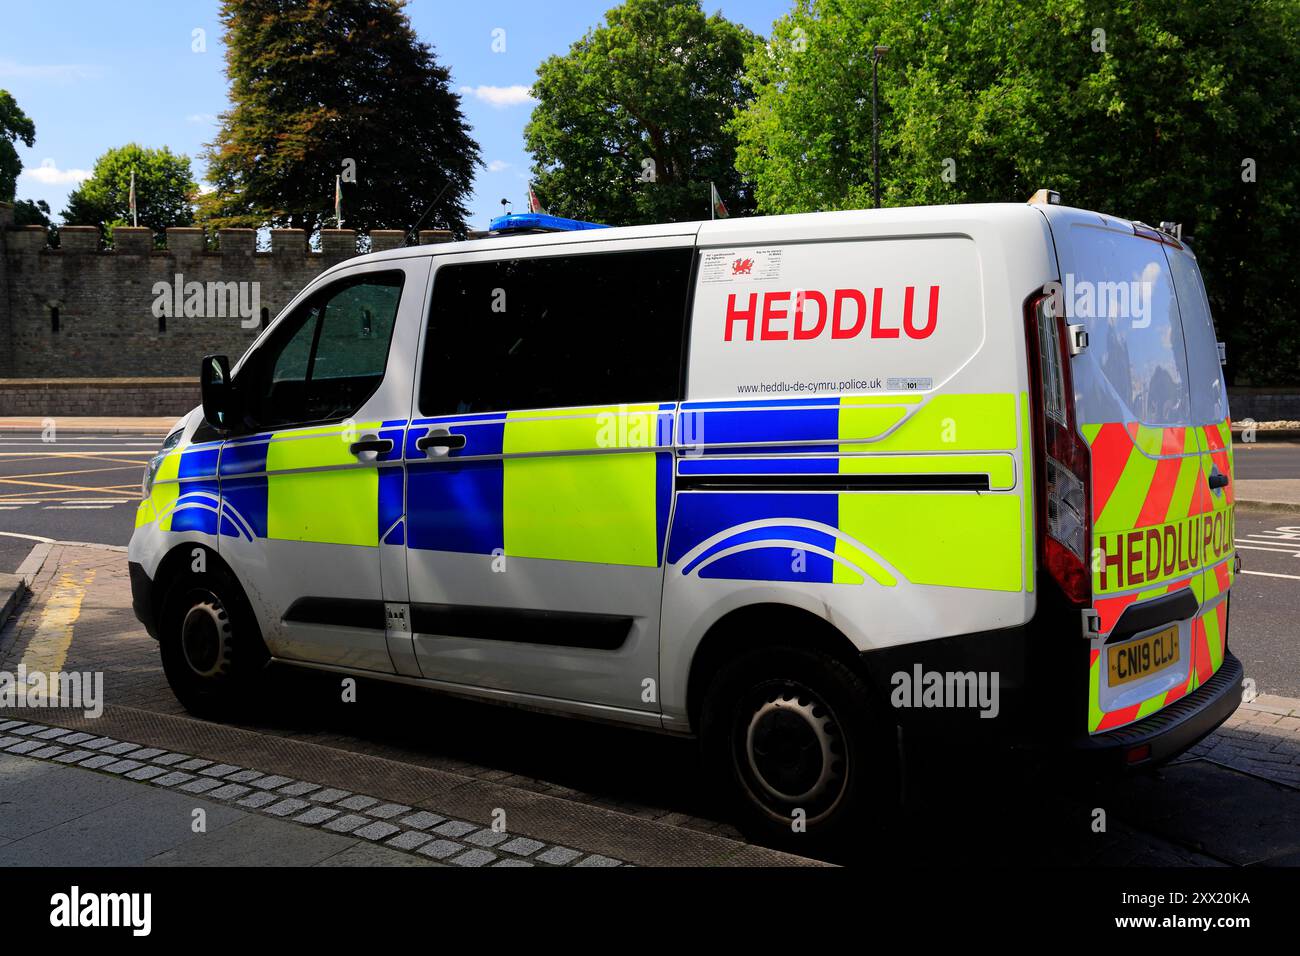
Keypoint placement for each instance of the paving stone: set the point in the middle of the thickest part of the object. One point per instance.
(316, 815)
(27, 730)
(422, 820)
(45, 753)
(409, 840)
(229, 791)
(522, 846)
(376, 831)
(147, 753)
(387, 811)
(194, 763)
(53, 732)
(168, 760)
(487, 838)
(258, 800)
(27, 746)
(245, 776)
(329, 795)
(273, 782)
(287, 806)
(455, 828)
(513, 863)
(146, 773)
(202, 785)
(99, 743)
(346, 823)
(597, 860)
(173, 778)
(95, 762)
(220, 770)
(300, 789)
(475, 858)
(559, 856)
(72, 756)
(122, 766)
(440, 849)
(10, 724)
(357, 802)
(120, 749)
(7, 741)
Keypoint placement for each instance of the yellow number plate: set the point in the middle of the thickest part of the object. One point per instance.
(1135, 659)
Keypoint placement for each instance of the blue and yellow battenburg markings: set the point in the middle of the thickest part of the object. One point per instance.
(596, 485)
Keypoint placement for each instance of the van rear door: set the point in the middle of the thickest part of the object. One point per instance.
(1150, 492)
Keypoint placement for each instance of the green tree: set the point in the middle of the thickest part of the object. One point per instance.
(1147, 109)
(654, 84)
(14, 126)
(164, 191)
(316, 85)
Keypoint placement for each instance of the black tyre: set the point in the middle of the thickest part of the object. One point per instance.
(212, 650)
(796, 742)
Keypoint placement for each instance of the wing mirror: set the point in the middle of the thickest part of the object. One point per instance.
(217, 391)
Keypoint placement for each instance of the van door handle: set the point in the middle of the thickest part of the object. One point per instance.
(440, 441)
(381, 445)
(1218, 481)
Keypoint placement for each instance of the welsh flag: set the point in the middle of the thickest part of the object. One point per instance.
(534, 204)
(719, 207)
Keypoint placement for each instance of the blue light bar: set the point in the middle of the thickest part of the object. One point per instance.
(539, 221)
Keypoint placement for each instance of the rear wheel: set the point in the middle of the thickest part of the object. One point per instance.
(795, 741)
(212, 650)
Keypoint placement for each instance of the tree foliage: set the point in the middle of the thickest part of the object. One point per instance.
(14, 126)
(315, 84)
(657, 82)
(1147, 109)
(165, 191)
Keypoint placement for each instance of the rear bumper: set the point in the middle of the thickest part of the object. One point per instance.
(1170, 731)
(142, 597)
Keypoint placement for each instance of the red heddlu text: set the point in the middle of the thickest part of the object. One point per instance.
(774, 320)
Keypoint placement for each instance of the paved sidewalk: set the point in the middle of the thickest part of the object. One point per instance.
(1273, 494)
(53, 814)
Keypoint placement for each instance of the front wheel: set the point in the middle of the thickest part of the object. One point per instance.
(212, 650)
(794, 739)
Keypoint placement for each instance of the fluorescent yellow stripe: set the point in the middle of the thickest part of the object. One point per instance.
(1001, 469)
(930, 538)
(166, 489)
(1027, 548)
(955, 423)
(598, 508)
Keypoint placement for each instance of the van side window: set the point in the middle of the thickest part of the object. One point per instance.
(555, 332)
(325, 359)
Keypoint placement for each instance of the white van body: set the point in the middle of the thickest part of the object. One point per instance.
(584, 471)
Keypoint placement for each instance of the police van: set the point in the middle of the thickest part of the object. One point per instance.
(793, 485)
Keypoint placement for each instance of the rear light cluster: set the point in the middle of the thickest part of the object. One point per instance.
(1061, 457)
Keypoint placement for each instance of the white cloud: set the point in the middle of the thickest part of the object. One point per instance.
(62, 72)
(49, 174)
(497, 165)
(500, 97)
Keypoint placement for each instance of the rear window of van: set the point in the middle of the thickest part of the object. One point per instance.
(1120, 288)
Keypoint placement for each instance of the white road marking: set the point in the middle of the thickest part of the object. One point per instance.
(1270, 574)
(1255, 547)
(77, 507)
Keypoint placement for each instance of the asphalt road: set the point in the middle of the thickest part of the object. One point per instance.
(1266, 460)
(85, 488)
(79, 488)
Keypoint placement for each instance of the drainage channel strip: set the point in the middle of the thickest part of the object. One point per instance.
(339, 811)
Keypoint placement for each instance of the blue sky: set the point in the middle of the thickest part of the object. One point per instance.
(93, 75)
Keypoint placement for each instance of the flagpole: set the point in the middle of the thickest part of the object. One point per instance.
(135, 218)
(713, 210)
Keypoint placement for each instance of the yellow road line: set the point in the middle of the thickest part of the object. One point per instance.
(48, 649)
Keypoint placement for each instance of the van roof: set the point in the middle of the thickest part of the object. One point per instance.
(852, 223)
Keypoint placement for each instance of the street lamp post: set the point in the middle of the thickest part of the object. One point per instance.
(877, 54)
